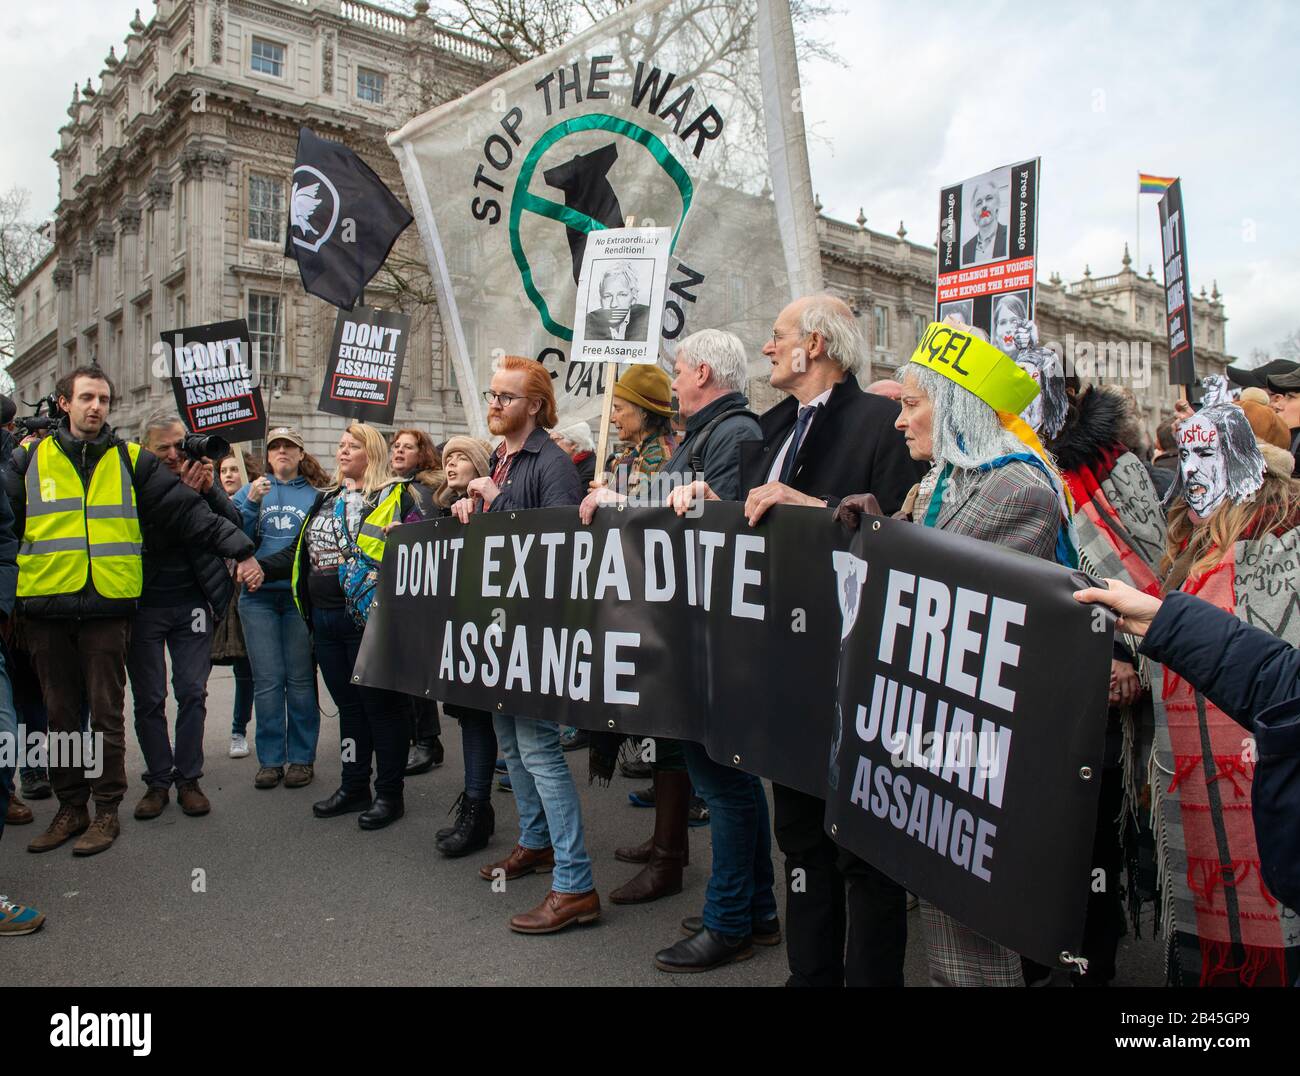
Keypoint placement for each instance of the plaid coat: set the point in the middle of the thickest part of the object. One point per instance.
(1013, 506)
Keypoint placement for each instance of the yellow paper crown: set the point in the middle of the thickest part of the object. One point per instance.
(978, 367)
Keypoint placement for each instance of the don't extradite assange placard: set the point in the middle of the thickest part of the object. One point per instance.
(910, 678)
(214, 378)
(364, 367)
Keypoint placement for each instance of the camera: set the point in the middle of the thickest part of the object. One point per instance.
(38, 422)
(205, 446)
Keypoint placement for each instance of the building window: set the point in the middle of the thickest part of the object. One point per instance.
(918, 326)
(265, 208)
(180, 312)
(147, 101)
(264, 331)
(881, 318)
(268, 57)
(1142, 315)
(370, 86)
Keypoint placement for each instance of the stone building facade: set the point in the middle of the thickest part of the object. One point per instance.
(172, 194)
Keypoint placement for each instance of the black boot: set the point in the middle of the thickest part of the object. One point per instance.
(384, 812)
(424, 755)
(704, 951)
(342, 802)
(474, 825)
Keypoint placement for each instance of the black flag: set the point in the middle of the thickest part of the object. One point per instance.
(343, 221)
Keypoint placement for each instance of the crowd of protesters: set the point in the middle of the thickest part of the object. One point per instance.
(118, 557)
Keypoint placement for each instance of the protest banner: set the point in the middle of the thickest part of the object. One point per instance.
(988, 250)
(214, 380)
(830, 663)
(661, 115)
(1178, 307)
(364, 367)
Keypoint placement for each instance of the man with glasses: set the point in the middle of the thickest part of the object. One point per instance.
(529, 470)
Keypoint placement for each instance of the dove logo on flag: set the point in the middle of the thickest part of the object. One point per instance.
(313, 208)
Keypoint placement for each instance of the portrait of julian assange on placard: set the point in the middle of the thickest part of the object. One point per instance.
(985, 208)
(616, 308)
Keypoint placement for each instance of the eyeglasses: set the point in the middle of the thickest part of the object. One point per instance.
(502, 399)
(776, 336)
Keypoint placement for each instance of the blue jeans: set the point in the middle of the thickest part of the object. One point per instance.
(284, 679)
(549, 812)
(243, 709)
(739, 893)
(8, 741)
(478, 742)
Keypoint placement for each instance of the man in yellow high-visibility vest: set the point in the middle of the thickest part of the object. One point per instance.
(79, 496)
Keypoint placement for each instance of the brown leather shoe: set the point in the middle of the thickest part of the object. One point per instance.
(192, 799)
(558, 911)
(662, 874)
(68, 822)
(152, 803)
(299, 776)
(18, 814)
(102, 833)
(519, 862)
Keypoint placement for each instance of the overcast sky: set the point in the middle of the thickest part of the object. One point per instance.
(1208, 92)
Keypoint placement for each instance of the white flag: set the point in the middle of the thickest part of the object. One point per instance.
(681, 114)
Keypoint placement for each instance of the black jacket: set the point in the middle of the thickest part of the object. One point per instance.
(167, 507)
(8, 559)
(851, 447)
(1254, 678)
(208, 568)
(542, 476)
(720, 453)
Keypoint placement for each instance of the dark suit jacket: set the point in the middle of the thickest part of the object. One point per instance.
(851, 447)
(638, 324)
(999, 247)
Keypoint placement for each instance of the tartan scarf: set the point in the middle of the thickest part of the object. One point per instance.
(1228, 928)
(1107, 523)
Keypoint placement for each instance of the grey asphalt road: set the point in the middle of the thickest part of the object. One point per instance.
(288, 899)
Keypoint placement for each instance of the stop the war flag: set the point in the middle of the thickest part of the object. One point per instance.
(679, 114)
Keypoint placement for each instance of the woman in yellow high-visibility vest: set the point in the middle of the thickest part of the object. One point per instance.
(374, 724)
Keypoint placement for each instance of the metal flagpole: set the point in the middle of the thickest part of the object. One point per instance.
(1137, 225)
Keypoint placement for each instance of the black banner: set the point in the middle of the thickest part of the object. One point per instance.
(1178, 300)
(364, 366)
(761, 643)
(215, 381)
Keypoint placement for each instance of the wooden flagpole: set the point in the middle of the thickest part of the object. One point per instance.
(606, 406)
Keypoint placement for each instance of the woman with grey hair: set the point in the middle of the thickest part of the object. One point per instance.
(990, 479)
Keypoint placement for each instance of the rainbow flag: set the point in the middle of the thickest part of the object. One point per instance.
(1153, 184)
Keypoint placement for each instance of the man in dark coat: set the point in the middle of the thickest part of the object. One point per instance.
(827, 440)
(186, 590)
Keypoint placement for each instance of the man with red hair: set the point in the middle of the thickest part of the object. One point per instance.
(529, 470)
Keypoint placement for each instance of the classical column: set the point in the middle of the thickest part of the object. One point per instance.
(102, 240)
(159, 194)
(131, 360)
(205, 166)
(63, 280)
(82, 260)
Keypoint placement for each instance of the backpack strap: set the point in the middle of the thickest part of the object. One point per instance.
(702, 438)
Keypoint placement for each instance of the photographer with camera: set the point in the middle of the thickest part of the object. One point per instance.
(186, 590)
(83, 502)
